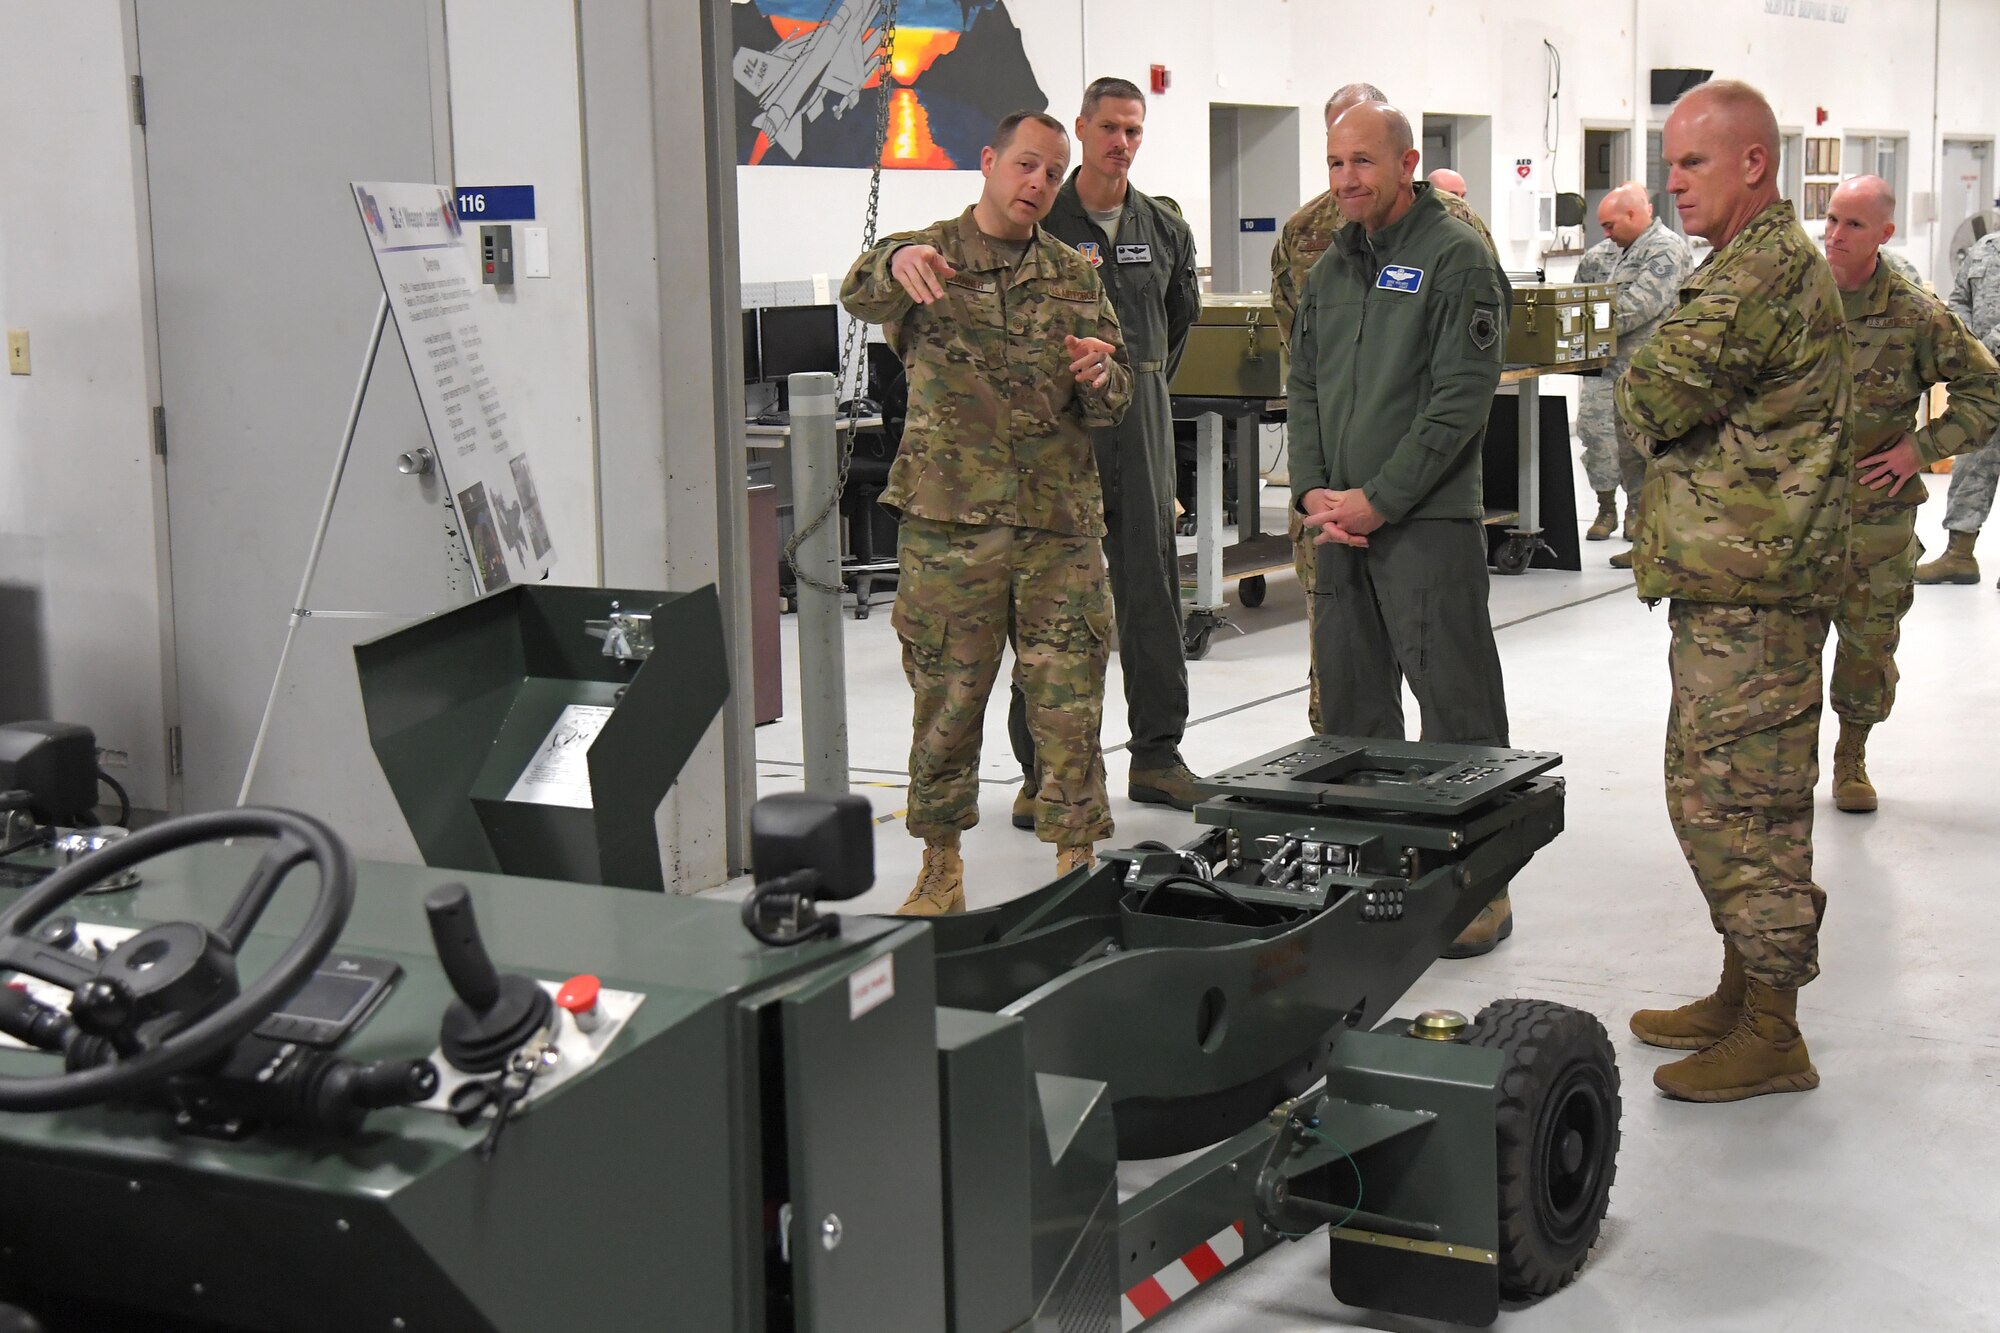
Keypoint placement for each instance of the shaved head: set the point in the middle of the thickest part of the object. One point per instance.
(1371, 164)
(1860, 216)
(1625, 213)
(1721, 147)
(1444, 178)
(1352, 94)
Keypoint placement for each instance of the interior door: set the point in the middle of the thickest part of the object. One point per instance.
(1965, 187)
(258, 115)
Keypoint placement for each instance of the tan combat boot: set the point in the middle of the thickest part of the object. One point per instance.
(1024, 805)
(1074, 856)
(1607, 517)
(1623, 560)
(940, 884)
(1702, 1023)
(1494, 923)
(1173, 785)
(1956, 565)
(1631, 520)
(1762, 1053)
(1852, 791)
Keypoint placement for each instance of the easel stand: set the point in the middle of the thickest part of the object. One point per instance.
(299, 608)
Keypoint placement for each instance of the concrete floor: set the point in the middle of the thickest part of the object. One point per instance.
(1862, 1205)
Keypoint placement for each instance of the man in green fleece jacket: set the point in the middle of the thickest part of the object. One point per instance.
(1396, 353)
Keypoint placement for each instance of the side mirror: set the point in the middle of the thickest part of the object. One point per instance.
(805, 849)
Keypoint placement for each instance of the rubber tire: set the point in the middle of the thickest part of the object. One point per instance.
(1194, 642)
(1250, 590)
(1559, 1061)
(1513, 557)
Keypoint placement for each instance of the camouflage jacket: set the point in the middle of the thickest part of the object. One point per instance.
(998, 430)
(1648, 276)
(1598, 261)
(1904, 340)
(1975, 290)
(1741, 401)
(1307, 234)
(1903, 268)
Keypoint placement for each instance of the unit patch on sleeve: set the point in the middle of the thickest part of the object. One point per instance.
(1485, 326)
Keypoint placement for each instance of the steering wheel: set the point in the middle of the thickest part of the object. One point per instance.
(132, 995)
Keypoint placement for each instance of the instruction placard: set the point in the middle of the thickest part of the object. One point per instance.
(559, 772)
(434, 296)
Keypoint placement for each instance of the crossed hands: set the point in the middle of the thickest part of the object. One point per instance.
(920, 271)
(1343, 517)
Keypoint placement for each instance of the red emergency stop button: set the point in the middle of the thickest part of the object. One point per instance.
(579, 996)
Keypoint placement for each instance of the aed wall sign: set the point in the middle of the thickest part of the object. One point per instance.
(496, 203)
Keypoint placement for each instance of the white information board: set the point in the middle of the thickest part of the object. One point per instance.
(433, 287)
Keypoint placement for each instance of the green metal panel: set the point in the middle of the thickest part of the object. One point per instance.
(984, 1084)
(629, 1198)
(458, 702)
(864, 1152)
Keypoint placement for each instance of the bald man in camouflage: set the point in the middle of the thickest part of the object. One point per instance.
(1741, 401)
(1644, 260)
(1905, 340)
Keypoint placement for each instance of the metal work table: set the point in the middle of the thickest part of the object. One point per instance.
(1255, 552)
(1525, 533)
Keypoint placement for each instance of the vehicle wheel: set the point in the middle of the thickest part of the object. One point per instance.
(1514, 555)
(1250, 590)
(1195, 640)
(1557, 1121)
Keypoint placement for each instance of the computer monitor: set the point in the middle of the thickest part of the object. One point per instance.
(753, 361)
(799, 338)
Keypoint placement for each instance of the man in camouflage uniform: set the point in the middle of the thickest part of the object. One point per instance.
(1975, 298)
(1741, 402)
(1647, 261)
(1144, 254)
(1904, 340)
(1013, 353)
(1301, 242)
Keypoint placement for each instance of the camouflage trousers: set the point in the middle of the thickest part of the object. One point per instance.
(958, 587)
(1610, 459)
(1874, 597)
(1742, 760)
(1973, 478)
(1305, 562)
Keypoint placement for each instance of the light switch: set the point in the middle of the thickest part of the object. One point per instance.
(534, 252)
(17, 351)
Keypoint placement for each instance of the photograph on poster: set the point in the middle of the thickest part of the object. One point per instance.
(531, 504)
(487, 552)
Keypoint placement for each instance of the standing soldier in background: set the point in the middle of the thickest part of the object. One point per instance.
(1741, 401)
(1144, 254)
(1645, 261)
(1975, 298)
(1013, 352)
(1904, 340)
(1302, 241)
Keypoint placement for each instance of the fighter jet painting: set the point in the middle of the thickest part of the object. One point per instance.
(821, 67)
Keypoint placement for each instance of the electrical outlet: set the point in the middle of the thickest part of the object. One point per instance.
(17, 351)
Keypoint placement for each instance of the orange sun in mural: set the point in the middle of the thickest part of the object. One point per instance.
(909, 144)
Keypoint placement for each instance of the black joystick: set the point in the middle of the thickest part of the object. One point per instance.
(493, 1014)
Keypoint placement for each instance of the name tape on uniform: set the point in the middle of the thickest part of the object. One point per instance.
(1399, 278)
(1135, 254)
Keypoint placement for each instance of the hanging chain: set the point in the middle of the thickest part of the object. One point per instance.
(851, 349)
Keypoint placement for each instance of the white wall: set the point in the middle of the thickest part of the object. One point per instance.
(78, 480)
(514, 121)
(1873, 72)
